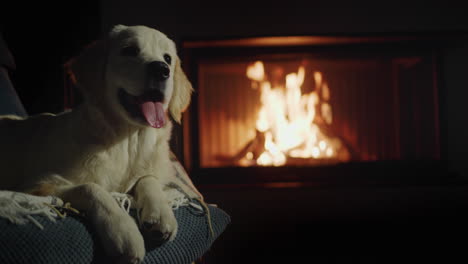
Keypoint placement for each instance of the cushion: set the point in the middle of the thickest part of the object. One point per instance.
(9, 100)
(6, 58)
(72, 239)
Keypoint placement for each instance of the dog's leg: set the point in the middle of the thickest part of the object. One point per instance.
(156, 216)
(116, 229)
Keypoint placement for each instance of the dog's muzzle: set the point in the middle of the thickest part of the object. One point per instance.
(148, 107)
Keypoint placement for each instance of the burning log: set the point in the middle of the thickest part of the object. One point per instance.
(250, 152)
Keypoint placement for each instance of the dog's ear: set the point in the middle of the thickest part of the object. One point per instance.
(87, 70)
(117, 29)
(181, 94)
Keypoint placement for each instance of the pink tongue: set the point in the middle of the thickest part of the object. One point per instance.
(154, 113)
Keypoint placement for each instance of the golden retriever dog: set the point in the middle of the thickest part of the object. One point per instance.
(115, 141)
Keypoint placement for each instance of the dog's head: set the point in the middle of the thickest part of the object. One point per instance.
(135, 73)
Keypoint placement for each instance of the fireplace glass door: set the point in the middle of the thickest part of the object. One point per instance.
(312, 105)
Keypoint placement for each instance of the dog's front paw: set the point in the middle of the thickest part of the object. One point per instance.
(158, 223)
(121, 238)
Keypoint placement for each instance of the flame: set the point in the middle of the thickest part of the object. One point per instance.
(287, 118)
(256, 71)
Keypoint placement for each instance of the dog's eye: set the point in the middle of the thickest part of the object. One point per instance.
(131, 51)
(167, 58)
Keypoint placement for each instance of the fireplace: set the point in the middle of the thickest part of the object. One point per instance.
(279, 109)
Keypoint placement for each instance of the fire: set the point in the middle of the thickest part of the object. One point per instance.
(287, 118)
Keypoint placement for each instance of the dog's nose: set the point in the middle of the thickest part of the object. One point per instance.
(159, 70)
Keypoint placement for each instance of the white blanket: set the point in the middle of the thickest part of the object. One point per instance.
(19, 207)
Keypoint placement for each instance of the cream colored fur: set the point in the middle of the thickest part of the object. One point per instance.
(84, 154)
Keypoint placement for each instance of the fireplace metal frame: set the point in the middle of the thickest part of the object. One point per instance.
(367, 173)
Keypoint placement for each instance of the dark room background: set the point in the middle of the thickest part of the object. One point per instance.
(42, 37)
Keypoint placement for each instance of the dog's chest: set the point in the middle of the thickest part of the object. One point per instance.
(118, 166)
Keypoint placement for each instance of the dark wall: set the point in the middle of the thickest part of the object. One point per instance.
(455, 79)
(183, 19)
(42, 37)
